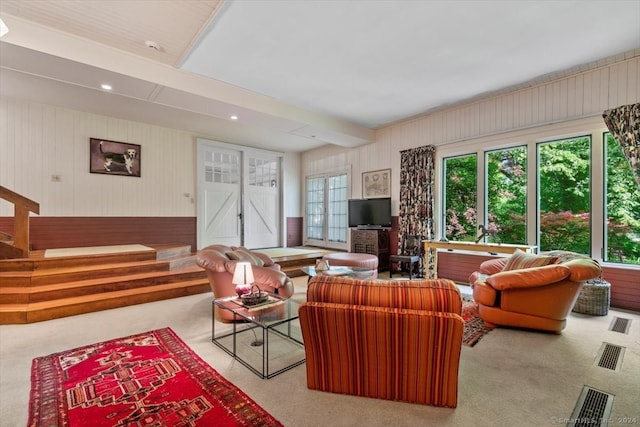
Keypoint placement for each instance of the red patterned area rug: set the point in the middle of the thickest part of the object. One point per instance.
(474, 328)
(148, 379)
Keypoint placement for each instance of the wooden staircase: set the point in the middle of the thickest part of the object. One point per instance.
(17, 245)
(36, 288)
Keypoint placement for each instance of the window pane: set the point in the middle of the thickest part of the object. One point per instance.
(337, 214)
(326, 208)
(315, 208)
(460, 198)
(564, 195)
(622, 208)
(507, 195)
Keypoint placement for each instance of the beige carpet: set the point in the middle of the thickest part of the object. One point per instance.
(510, 378)
(95, 250)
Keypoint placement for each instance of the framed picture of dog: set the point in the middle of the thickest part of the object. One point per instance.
(114, 158)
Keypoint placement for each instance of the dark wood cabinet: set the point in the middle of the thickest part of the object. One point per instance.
(374, 242)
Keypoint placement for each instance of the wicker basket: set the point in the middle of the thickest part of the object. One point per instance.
(594, 298)
(254, 297)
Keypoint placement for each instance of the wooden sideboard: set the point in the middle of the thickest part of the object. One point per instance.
(431, 251)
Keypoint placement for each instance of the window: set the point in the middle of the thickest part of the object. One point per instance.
(541, 193)
(222, 168)
(337, 214)
(564, 195)
(622, 209)
(326, 209)
(263, 172)
(507, 195)
(315, 208)
(460, 197)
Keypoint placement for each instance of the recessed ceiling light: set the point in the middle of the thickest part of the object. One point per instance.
(234, 117)
(106, 86)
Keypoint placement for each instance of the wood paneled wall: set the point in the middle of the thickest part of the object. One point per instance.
(44, 155)
(71, 232)
(625, 287)
(571, 95)
(294, 231)
(457, 266)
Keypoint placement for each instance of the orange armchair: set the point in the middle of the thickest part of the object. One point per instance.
(387, 340)
(219, 262)
(536, 297)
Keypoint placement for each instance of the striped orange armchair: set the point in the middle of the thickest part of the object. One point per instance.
(388, 340)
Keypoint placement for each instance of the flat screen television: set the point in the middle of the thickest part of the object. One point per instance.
(370, 213)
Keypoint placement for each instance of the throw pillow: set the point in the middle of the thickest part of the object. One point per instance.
(246, 256)
(520, 260)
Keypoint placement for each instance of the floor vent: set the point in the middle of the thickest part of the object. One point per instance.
(593, 408)
(620, 324)
(610, 356)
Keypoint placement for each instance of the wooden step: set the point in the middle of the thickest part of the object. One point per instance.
(47, 310)
(291, 265)
(59, 290)
(46, 288)
(83, 272)
(36, 261)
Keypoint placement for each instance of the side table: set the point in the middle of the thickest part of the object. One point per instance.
(594, 298)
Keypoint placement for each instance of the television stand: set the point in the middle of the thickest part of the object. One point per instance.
(374, 242)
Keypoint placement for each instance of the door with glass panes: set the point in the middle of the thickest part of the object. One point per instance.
(239, 196)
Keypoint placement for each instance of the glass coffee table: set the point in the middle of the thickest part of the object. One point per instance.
(265, 338)
(354, 272)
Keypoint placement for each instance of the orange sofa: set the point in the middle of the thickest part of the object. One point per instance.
(219, 262)
(387, 340)
(531, 291)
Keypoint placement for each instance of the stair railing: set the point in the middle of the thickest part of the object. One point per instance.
(22, 206)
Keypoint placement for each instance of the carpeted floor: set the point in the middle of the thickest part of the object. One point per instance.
(151, 378)
(474, 328)
(509, 378)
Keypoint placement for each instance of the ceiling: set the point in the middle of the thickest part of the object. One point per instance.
(297, 74)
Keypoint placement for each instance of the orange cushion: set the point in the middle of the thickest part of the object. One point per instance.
(529, 277)
(520, 260)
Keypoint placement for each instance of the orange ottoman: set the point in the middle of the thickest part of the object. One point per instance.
(352, 259)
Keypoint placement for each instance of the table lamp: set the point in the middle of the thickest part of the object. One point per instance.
(243, 278)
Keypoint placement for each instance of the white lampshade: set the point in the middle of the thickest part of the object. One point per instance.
(243, 274)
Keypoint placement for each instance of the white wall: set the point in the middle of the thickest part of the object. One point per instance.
(38, 141)
(292, 181)
(562, 98)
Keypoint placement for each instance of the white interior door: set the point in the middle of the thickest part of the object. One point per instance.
(262, 201)
(227, 175)
(219, 196)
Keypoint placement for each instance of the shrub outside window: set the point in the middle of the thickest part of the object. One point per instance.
(622, 209)
(460, 198)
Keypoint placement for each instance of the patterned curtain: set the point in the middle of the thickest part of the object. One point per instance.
(624, 124)
(417, 177)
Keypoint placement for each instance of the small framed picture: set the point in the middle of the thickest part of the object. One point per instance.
(376, 184)
(114, 158)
